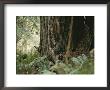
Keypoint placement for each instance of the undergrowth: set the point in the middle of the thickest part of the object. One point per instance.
(34, 64)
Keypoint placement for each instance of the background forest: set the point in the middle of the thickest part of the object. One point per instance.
(55, 45)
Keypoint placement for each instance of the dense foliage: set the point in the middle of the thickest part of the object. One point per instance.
(77, 65)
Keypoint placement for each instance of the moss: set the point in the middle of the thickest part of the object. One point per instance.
(33, 64)
(87, 67)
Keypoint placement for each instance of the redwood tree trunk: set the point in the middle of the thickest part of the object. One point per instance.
(65, 34)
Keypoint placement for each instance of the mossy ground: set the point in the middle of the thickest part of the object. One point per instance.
(33, 64)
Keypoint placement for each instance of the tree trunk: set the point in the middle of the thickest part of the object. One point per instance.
(65, 36)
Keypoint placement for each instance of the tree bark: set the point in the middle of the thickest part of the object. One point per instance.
(65, 35)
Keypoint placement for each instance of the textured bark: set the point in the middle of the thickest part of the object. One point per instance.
(65, 34)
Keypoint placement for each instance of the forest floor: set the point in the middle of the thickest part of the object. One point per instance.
(29, 64)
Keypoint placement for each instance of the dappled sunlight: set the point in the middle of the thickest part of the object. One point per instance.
(29, 38)
(55, 45)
